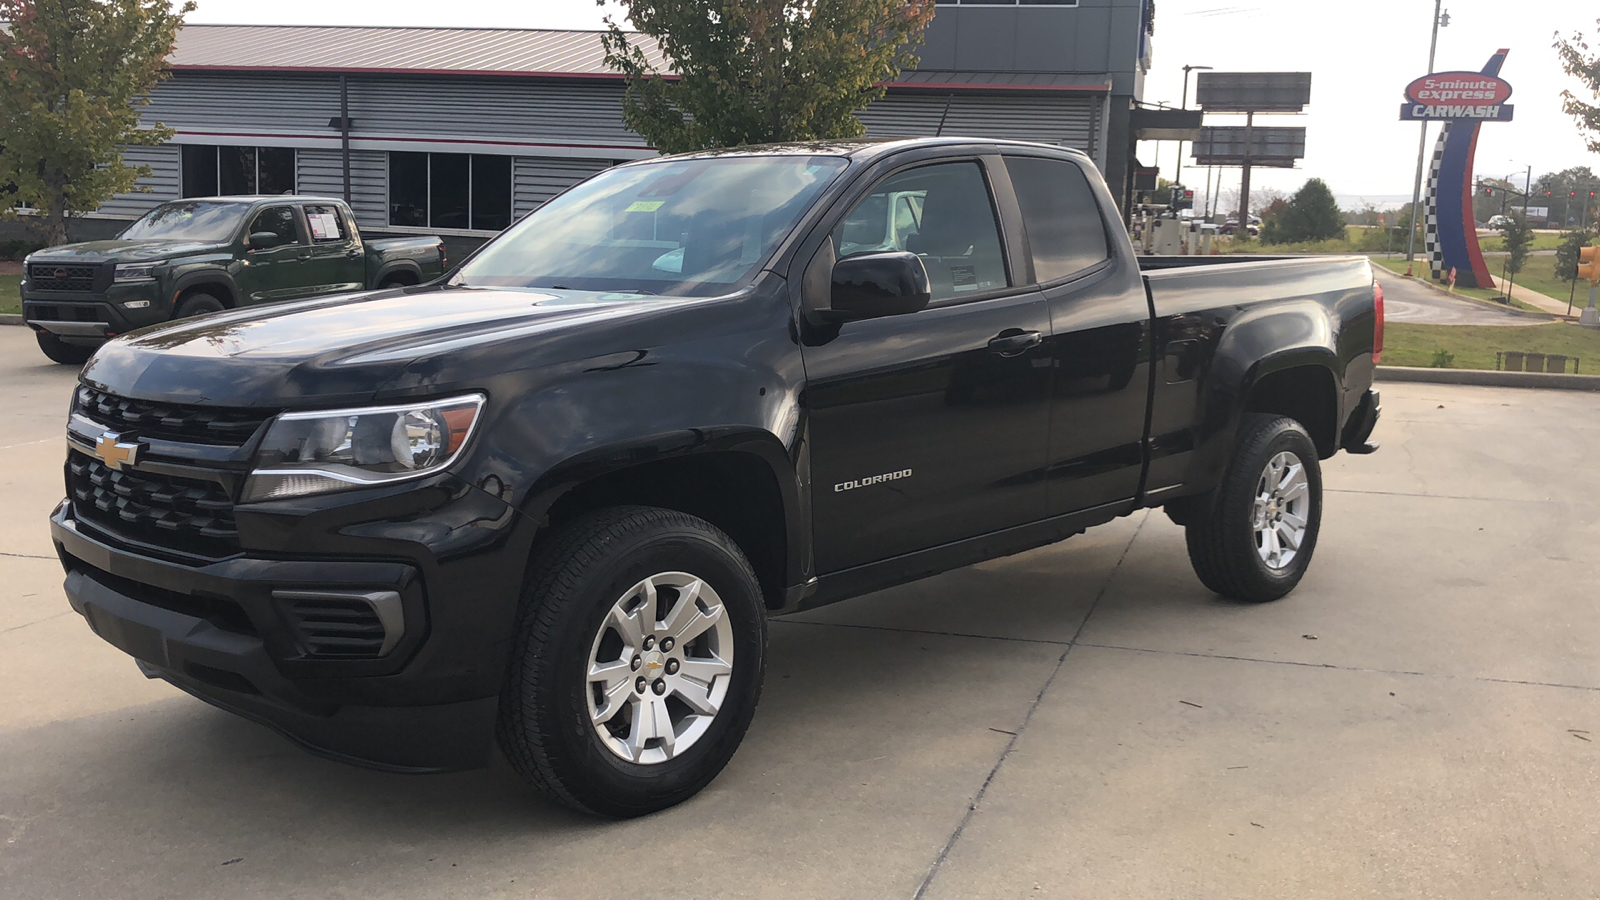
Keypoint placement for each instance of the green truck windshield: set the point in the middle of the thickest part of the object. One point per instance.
(692, 228)
(188, 220)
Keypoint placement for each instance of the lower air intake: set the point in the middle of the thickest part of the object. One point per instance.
(344, 625)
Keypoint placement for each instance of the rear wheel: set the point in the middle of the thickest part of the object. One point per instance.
(62, 352)
(639, 656)
(1252, 538)
(198, 304)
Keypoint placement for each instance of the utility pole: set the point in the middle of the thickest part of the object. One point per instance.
(1440, 17)
(1184, 104)
(1244, 180)
(1527, 192)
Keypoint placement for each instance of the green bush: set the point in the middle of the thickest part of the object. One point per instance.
(18, 249)
(1443, 359)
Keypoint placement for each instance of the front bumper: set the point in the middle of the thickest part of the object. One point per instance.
(218, 632)
(92, 318)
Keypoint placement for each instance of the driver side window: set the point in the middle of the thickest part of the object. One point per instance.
(277, 220)
(943, 214)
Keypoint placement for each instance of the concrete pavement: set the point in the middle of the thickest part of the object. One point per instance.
(1420, 719)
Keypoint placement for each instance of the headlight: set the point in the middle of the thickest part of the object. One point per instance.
(334, 450)
(136, 273)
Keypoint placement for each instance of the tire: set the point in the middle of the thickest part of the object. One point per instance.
(62, 352)
(198, 304)
(1230, 554)
(575, 603)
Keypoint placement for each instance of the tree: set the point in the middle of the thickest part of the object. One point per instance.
(1575, 59)
(1312, 215)
(74, 74)
(1567, 254)
(1518, 241)
(758, 71)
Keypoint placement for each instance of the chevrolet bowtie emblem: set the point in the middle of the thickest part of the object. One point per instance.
(113, 452)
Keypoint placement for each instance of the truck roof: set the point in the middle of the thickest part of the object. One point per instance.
(863, 148)
(262, 198)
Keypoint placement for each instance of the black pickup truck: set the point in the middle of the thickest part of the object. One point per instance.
(555, 495)
(191, 257)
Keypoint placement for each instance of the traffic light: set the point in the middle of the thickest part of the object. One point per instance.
(1488, 191)
(1589, 264)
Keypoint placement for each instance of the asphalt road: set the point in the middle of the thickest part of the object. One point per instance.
(1404, 300)
(1420, 719)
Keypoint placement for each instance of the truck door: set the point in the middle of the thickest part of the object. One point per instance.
(1099, 347)
(336, 261)
(930, 427)
(272, 268)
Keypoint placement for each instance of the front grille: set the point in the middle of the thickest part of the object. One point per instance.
(333, 626)
(213, 425)
(65, 312)
(187, 515)
(47, 277)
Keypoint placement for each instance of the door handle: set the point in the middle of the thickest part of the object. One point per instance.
(352, 252)
(1015, 342)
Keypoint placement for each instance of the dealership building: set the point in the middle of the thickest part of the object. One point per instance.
(460, 131)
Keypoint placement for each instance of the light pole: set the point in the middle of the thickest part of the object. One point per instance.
(1440, 19)
(1178, 179)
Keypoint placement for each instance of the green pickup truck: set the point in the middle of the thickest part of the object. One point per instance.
(202, 255)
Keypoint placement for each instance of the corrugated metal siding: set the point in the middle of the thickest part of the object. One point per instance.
(446, 109)
(322, 172)
(536, 179)
(165, 166)
(1065, 121)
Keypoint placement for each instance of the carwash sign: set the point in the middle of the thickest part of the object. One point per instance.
(1456, 96)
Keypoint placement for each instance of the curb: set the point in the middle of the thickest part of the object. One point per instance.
(1485, 378)
(10, 319)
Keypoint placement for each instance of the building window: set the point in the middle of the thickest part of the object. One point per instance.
(224, 171)
(464, 191)
(1006, 3)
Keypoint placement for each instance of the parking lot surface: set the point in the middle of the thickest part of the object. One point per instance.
(1406, 300)
(1420, 719)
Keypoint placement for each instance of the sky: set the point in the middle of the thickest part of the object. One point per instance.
(1361, 53)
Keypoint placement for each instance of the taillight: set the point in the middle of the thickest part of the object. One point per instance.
(1377, 321)
(444, 258)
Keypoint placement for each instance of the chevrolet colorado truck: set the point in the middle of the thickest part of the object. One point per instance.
(552, 498)
(204, 255)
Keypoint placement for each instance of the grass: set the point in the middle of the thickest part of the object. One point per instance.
(1539, 274)
(10, 293)
(1495, 242)
(1475, 346)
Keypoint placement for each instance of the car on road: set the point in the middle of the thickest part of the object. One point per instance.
(1496, 223)
(552, 499)
(203, 255)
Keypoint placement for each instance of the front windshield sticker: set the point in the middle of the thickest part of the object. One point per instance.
(645, 206)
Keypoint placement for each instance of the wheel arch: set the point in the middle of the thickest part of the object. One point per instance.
(399, 269)
(213, 282)
(741, 481)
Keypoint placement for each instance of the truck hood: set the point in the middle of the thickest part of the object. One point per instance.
(339, 349)
(122, 251)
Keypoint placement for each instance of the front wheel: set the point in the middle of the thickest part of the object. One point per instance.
(62, 352)
(1252, 538)
(640, 650)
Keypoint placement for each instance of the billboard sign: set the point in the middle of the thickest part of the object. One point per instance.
(1270, 147)
(1284, 92)
(1453, 96)
(1538, 212)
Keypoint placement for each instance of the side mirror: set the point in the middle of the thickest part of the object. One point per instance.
(872, 285)
(265, 240)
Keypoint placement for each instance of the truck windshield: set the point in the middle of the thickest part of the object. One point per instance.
(188, 220)
(688, 228)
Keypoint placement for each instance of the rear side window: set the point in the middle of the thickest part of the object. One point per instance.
(1065, 229)
(327, 226)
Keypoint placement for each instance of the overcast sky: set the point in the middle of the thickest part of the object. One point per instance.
(1361, 54)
